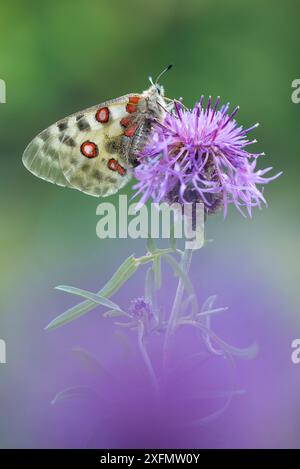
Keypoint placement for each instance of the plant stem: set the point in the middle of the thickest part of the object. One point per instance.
(146, 358)
(185, 265)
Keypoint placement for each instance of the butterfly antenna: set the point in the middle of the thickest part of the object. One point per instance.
(163, 72)
(151, 80)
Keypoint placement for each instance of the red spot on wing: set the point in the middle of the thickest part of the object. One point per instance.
(125, 121)
(102, 115)
(130, 107)
(130, 127)
(89, 149)
(113, 165)
(130, 131)
(134, 99)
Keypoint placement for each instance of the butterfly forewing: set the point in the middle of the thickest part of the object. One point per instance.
(41, 157)
(94, 150)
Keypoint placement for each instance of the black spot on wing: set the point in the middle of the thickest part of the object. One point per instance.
(111, 180)
(85, 167)
(62, 126)
(67, 140)
(97, 175)
(98, 190)
(82, 123)
(113, 145)
(104, 189)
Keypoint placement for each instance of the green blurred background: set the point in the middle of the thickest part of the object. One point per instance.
(62, 56)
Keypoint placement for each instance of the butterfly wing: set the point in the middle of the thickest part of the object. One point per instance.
(41, 157)
(86, 151)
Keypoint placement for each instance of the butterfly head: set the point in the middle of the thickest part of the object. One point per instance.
(156, 91)
(154, 97)
(160, 89)
(156, 88)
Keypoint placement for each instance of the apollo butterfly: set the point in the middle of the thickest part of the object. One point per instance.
(95, 150)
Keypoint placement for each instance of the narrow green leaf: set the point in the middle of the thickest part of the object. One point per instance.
(71, 313)
(149, 285)
(151, 245)
(179, 273)
(93, 364)
(124, 272)
(173, 241)
(150, 257)
(74, 393)
(125, 324)
(112, 313)
(101, 300)
(214, 394)
(89, 360)
(247, 352)
(212, 311)
(157, 271)
(208, 303)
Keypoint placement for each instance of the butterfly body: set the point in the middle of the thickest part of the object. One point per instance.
(94, 150)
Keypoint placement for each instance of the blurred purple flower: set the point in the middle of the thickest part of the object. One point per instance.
(140, 309)
(200, 155)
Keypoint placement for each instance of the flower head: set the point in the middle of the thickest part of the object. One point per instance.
(140, 309)
(200, 155)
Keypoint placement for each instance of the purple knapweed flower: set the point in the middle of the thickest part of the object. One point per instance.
(200, 155)
(140, 309)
